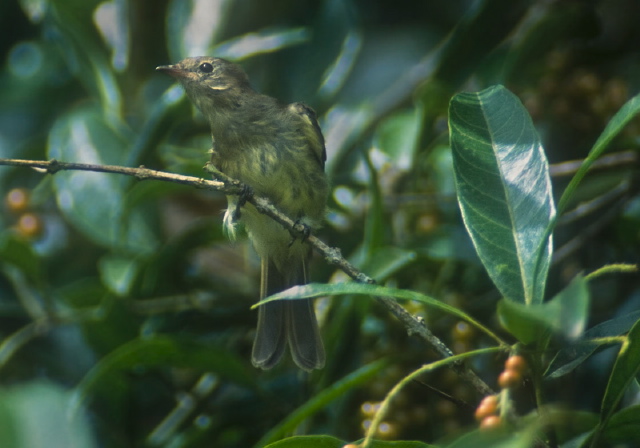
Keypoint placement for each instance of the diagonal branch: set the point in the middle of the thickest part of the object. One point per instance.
(233, 187)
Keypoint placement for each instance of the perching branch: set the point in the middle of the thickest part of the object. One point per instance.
(233, 187)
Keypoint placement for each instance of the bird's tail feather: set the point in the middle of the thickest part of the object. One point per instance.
(291, 321)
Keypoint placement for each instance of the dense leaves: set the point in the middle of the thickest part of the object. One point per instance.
(126, 314)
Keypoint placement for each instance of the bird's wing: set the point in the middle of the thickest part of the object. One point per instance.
(312, 132)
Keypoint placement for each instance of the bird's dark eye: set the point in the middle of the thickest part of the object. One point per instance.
(205, 67)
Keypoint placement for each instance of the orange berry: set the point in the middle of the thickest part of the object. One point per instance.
(17, 199)
(517, 363)
(490, 423)
(29, 225)
(488, 406)
(490, 400)
(509, 379)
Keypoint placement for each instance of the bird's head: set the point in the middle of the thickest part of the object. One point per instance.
(207, 77)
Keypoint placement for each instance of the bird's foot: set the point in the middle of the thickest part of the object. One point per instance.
(212, 169)
(302, 233)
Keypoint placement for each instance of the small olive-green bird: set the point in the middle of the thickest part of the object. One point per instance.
(278, 150)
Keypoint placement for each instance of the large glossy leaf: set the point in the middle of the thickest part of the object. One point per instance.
(504, 189)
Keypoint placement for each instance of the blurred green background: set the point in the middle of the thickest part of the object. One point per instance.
(123, 306)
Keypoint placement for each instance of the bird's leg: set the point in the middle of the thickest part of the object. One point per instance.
(243, 197)
(210, 168)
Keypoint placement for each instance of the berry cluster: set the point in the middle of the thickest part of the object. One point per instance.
(28, 224)
(487, 412)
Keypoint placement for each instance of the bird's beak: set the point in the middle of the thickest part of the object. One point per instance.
(174, 70)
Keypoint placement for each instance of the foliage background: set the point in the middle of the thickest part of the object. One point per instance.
(125, 295)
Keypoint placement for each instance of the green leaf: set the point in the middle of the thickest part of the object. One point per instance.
(260, 42)
(375, 227)
(308, 441)
(496, 439)
(570, 426)
(322, 399)
(615, 125)
(20, 254)
(117, 273)
(623, 426)
(482, 27)
(540, 35)
(314, 290)
(157, 273)
(398, 444)
(342, 127)
(184, 37)
(572, 356)
(570, 309)
(35, 415)
(504, 189)
(94, 202)
(527, 324)
(565, 315)
(109, 376)
(105, 321)
(386, 261)
(624, 371)
(170, 108)
(87, 56)
(337, 73)
(398, 137)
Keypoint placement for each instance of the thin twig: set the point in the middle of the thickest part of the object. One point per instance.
(615, 160)
(331, 254)
(585, 208)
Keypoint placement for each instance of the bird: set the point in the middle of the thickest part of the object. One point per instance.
(278, 151)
